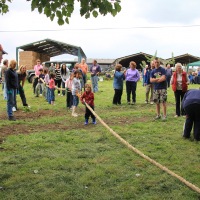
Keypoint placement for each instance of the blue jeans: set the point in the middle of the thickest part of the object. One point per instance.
(94, 80)
(11, 101)
(75, 100)
(4, 90)
(51, 95)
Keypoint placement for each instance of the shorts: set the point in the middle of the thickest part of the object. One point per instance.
(160, 96)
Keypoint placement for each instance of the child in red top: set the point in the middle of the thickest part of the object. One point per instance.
(88, 97)
(51, 89)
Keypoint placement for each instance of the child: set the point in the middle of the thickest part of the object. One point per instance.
(68, 86)
(88, 97)
(46, 80)
(118, 84)
(40, 83)
(51, 89)
(76, 88)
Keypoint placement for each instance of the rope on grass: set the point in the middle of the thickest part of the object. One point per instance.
(190, 185)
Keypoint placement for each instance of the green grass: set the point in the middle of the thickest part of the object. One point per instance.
(51, 155)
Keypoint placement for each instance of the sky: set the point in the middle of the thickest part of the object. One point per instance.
(167, 26)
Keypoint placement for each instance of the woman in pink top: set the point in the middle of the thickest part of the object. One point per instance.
(37, 67)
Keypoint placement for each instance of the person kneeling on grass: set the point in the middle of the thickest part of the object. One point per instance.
(88, 97)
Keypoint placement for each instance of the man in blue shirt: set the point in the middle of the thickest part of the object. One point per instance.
(158, 78)
(191, 105)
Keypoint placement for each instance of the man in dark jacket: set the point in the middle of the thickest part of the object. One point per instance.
(191, 105)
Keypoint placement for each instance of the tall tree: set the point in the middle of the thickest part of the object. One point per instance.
(63, 9)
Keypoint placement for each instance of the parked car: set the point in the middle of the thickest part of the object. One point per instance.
(69, 64)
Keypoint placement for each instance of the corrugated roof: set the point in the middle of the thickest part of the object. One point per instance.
(53, 48)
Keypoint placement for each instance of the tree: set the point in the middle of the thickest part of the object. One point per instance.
(149, 59)
(62, 9)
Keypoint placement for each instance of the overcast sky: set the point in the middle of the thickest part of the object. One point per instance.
(166, 26)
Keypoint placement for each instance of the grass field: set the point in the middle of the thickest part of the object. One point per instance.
(47, 154)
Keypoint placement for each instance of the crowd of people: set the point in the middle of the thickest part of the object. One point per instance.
(157, 79)
(47, 80)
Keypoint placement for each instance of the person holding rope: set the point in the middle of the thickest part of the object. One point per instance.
(52, 88)
(76, 89)
(21, 80)
(88, 97)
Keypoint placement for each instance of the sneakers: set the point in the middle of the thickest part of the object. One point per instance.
(128, 103)
(157, 117)
(86, 122)
(74, 115)
(133, 103)
(146, 101)
(26, 105)
(151, 102)
(94, 122)
(11, 118)
(14, 109)
(164, 118)
(176, 116)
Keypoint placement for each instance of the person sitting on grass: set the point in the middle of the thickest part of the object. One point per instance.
(88, 97)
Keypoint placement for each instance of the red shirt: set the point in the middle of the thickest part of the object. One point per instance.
(88, 97)
(51, 83)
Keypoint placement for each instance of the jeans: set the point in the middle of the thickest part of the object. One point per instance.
(37, 89)
(51, 95)
(75, 100)
(4, 90)
(94, 80)
(11, 101)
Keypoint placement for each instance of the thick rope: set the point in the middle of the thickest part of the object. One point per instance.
(190, 185)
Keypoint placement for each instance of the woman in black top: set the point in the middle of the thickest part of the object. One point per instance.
(21, 80)
(11, 80)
